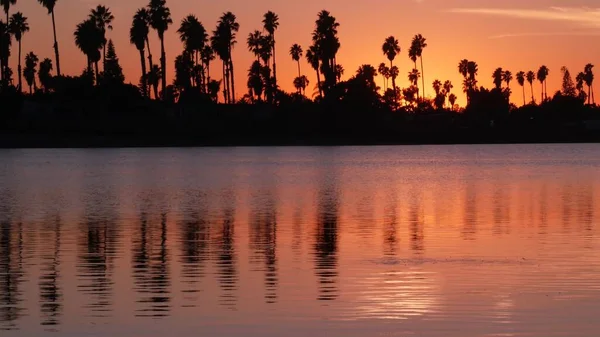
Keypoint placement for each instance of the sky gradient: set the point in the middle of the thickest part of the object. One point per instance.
(513, 34)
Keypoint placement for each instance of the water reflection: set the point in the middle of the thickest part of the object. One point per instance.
(194, 240)
(326, 240)
(331, 239)
(11, 272)
(263, 241)
(225, 251)
(51, 295)
(150, 266)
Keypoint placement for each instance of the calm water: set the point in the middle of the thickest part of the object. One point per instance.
(360, 241)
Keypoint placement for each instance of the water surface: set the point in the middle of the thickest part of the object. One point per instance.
(352, 241)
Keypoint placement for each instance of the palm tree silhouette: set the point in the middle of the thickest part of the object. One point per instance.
(463, 67)
(384, 71)
(223, 40)
(521, 81)
(31, 61)
(413, 77)
(271, 23)
(391, 48)
(103, 18)
(193, 35)
(312, 56)
(49, 5)
(326, 39)
(393, 72)
(300, 83)
(437, 87)
(339, 72)
(5, 43)
(589, 81)
(296, 53)
(138, 35)
(254, 42)
(452, 100)
(419, 43)
(45, 73)
(507, 77)
(530, 76)
(18, 26)
(207, 55)
(89, 39)
(579, 82)
(160, 20)
(6, 5)
(154, 77)
(542, 74)
(497, 76)
(143, 16)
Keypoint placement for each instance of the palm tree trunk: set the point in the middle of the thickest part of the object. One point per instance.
(532, 98)
(422, 76)
(393, 79)
(542, 101)
(151, 66)
(589, 94)
(19, 69)
(55, 45)
(523, 94)
(546, 88)
(593, 99)
(207, 74)
(226, 80)
(319, 84)
(299, 68)
(163, 63)
(144, 79)
(232, 88)
(274, 64)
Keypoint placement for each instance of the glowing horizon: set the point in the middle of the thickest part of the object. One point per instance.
(494, 34)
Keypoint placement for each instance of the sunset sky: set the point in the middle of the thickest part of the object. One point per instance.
(513, 34)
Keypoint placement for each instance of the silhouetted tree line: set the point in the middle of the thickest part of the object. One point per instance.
(99, 103)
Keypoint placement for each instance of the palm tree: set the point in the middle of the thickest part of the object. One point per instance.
(193, 35)
(507, 77)
(271, 23)
(579, 81)
(384, 72)
(154, 77)
(413, 77)
(419, 43)
(542, 74)
(44, 74)
(521, 81)
(300, 83)
(339, 72)
(530, 76)
(254, 42)
(31, 61)
(393, 72)
(143, 16)
(312, 56)
(296, 53)
(437, 87)
(325, 37)
(103, 18)
(160, 20)
(18, 26)
(89, 39)
(452, 100)
(463, 67)
(6, 5)
(391, 48)
(223, 40)
(497, 76)
(138, 34)
(49, 5)
(589, 81)
(207, 55)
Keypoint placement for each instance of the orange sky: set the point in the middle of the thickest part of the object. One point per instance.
(503, 33)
